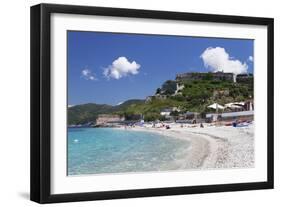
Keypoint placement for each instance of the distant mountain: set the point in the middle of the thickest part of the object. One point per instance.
(84, 113)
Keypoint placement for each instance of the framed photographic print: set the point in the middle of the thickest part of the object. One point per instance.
(133, 103)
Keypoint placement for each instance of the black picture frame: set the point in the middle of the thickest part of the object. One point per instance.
(41, 95)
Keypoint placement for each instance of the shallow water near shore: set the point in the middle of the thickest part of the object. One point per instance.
(107, 150)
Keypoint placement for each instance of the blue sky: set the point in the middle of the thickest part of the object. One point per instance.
(110, 68)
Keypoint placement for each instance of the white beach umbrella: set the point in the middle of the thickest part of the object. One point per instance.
(215, 106)
(235, 105)
(232, 105)
(238, 103)
(228, 105)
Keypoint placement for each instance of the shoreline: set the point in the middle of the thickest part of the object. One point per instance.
(212, 147)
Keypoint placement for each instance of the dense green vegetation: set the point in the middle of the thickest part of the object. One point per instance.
(195, 96)
(81, 114)
(151, 109)
(169, 87)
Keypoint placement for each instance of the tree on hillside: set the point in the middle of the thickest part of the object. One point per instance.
(158, 91)
(169, 87)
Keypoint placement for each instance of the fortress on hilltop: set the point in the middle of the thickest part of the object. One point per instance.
(217, 76)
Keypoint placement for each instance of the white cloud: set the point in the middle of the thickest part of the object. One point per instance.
(217, 59)
(250, 58)
(121, 67)
(88, 75)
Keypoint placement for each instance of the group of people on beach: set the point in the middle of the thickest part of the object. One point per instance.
(235, 123)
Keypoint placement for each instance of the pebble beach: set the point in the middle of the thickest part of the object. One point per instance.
(212, 147)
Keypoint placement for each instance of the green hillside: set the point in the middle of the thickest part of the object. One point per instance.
(81, 114)
(195, 96)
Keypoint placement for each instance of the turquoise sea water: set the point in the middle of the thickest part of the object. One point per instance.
(106, 150)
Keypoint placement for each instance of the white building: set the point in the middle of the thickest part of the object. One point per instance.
(166, 112)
